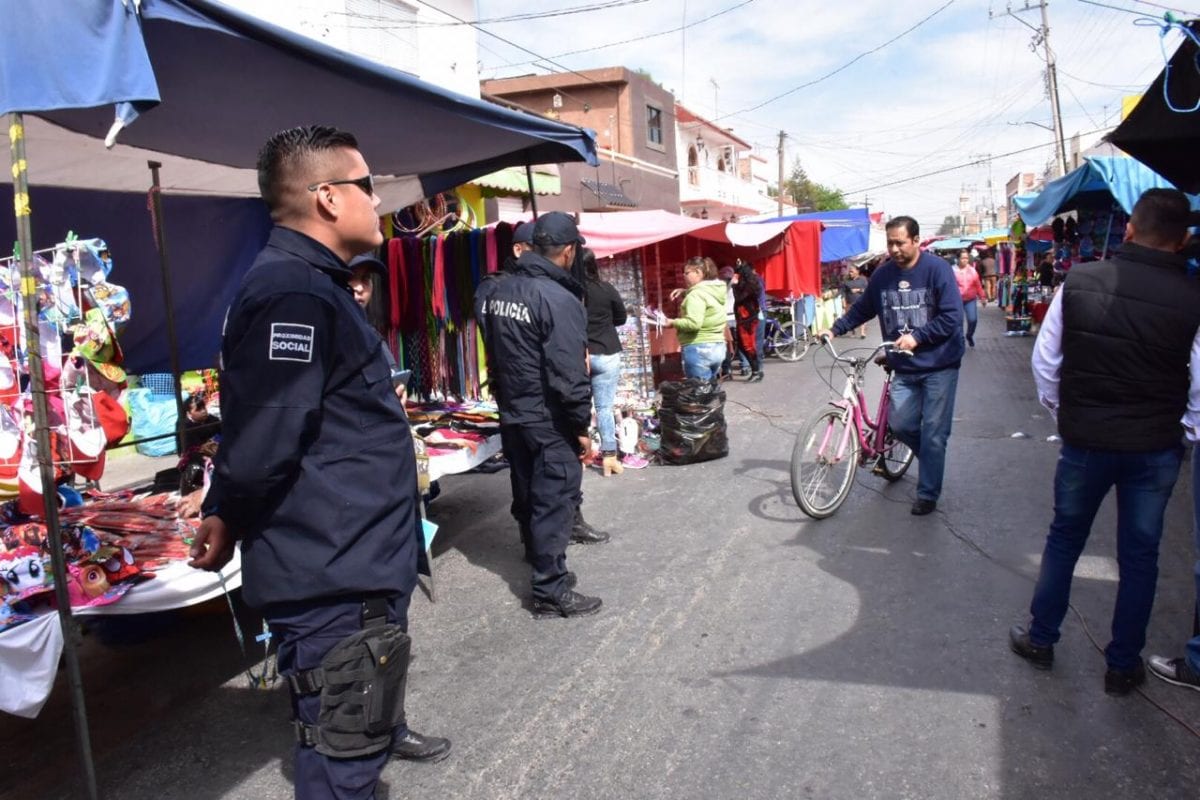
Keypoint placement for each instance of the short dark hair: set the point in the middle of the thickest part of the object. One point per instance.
(1160, 217)
(285, 155)
(908, 223)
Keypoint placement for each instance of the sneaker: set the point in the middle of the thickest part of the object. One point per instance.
(569, 604)
(1176, 671)
(634, 461)
(1041, 656)
(1120, 682)
(921, 507)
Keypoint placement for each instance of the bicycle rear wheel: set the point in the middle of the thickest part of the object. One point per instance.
(896, 458)
(791, 341)
(821, 478)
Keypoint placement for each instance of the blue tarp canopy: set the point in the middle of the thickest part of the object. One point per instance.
(197, 79)
(957, 243)
(1097, 184)
(845, 234)
(201, 87)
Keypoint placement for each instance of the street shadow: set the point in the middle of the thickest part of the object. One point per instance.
(776, 503)
(933, 617)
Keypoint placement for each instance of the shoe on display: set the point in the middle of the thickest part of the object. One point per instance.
(634, 461)
(1174, 670)
(1042, 657)
(414, 746)
(1120, 682)
(569, 604)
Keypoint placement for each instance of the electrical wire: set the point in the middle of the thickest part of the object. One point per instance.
(843, 67)
(533, 15)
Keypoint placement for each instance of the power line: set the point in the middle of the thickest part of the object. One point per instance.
(977, 162)
(533, 15)
(1119, 86)
(845, 66)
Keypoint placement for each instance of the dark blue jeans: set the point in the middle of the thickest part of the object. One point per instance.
(1144, 482)
(1193, 646)
(971, 315)
(920, 413)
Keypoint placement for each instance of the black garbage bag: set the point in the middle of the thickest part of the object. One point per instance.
(692, 419)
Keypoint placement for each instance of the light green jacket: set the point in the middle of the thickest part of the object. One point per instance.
(702, 320)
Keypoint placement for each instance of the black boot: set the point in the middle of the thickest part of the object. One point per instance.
(583, 533)
(413, 746)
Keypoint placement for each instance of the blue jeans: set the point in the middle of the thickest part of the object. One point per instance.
(971, 314)
(1081, 481)
(606, 374)
(703, 361)
(1193, 646)
(920, 413)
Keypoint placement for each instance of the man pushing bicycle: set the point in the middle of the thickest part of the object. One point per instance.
(916, 298)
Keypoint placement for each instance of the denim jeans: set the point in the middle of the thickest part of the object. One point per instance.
(971, 314)
(1081, 481)
(921, 412)
(606, 374)
(1193, 646)
(703, 361)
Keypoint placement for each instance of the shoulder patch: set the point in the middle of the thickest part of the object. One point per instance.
(291, 341)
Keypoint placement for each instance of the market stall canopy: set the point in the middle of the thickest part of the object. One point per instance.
(956, 243)
(1096, 184)
(515, 180)
(610, 233)
(846, 233)
(199, 80)
(1163, 130)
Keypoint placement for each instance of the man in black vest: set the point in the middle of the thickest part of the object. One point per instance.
(1111, 363)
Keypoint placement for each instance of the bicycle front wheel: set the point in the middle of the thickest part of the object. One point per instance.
(897, 457)
(791, 341)
(823, 462)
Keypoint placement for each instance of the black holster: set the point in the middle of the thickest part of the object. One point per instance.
(362, 682)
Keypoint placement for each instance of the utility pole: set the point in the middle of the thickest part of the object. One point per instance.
(782, 136)
(1042, 37)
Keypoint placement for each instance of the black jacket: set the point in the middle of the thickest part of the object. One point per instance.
(534, 328)
(1128, 327)
(605, 311)
(316, 472)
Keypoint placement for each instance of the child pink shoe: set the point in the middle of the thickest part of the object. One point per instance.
(634, 461)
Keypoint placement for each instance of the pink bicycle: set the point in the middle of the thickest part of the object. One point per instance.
(842, 436)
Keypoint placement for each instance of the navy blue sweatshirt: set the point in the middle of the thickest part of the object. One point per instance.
(922, 300)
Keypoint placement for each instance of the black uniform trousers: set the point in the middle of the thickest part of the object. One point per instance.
(304, 632)
(546, 478)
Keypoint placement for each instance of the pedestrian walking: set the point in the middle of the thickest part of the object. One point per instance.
(971, 289)
(916, 298)
(316, 475)
(535, 332)
(1111, 363)
(748, 307)
(852, 288)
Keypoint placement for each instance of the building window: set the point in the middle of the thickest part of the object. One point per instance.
(654, 133)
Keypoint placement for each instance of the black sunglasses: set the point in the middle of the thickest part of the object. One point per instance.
(366, 183)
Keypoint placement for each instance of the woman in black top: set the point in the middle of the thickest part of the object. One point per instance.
(746, 293)
(605, 311)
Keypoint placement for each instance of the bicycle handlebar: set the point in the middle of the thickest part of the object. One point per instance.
(885, 347)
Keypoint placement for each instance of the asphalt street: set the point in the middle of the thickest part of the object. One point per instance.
(743, 651)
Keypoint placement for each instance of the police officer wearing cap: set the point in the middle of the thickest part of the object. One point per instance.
(316, 475)
(535, 332)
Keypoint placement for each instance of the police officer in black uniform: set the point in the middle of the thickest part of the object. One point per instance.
(535, 331)
(316, 475)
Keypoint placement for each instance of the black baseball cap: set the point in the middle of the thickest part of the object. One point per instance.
(556, 227)
(370, 262)
(523, 233)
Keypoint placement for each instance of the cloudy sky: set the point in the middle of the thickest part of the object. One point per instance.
(957, 88)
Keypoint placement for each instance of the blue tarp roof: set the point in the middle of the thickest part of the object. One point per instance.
(1100, 181)
(227, 81)
(845, 235)
(210, 84)
(955, 244)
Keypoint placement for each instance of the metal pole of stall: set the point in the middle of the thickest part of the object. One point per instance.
(41, 432)
(160, 240)
(532, 193)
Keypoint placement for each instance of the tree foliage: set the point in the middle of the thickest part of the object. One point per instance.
(950, 226)
(808, 195)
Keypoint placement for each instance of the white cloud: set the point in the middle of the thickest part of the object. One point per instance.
(941, 96)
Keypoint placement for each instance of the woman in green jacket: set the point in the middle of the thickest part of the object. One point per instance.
(701, 324)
